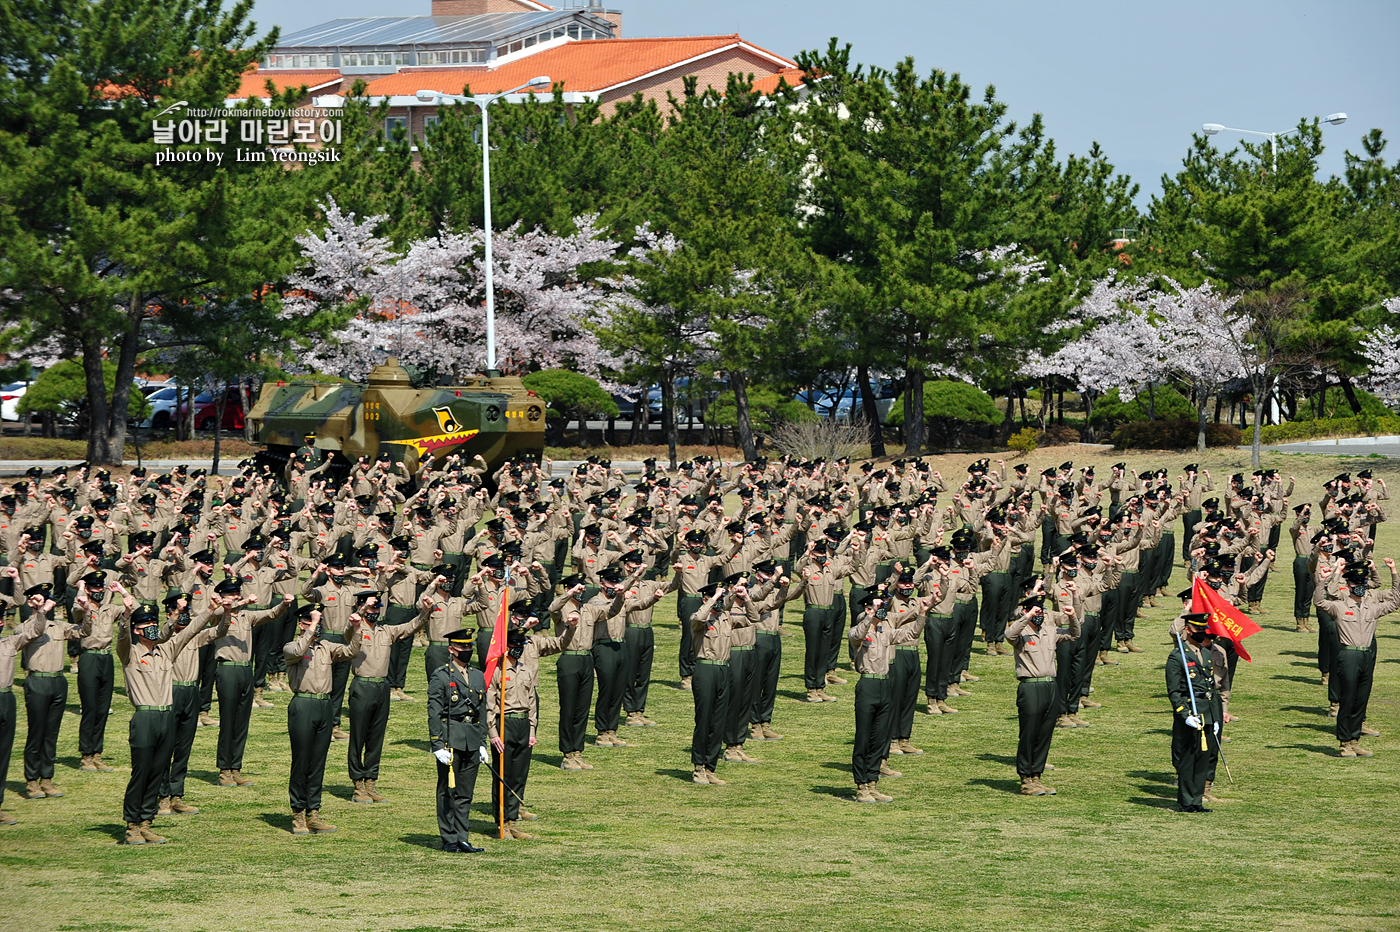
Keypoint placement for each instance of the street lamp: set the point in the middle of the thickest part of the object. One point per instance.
(484, 101)
(1210, 129)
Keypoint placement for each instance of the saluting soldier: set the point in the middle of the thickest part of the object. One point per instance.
(1038, 703)
(1357, 616)
(1191, 689)
(369, 691)
(148, 670)
(310, 659)
(185, 696)
(639, 641)
(96, 674)
(512, 729)
(873, 641)
(456, 703)
(28, 632)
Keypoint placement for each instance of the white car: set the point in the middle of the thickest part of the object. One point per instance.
(162, 405)
(9, 400)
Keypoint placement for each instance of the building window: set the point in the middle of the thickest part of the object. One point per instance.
(430, 123)
(395, 127)
(531, 40)
(573, 31)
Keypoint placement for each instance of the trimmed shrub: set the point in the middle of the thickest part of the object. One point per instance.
(1024, 441)
(1168, 404)
(1057, 435)
(1337, 408)
(1173, 435)
(1363, 426)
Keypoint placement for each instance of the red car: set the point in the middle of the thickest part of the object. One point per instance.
(206, 411)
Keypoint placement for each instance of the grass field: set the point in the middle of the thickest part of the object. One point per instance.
(1308, 841)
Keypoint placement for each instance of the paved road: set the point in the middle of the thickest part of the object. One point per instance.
(1351, 446)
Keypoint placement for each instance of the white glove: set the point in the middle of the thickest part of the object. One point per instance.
(1193, 722)
(443, 755)
(485, 756)
(1217, 729)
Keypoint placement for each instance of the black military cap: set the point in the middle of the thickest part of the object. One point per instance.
(906, 578)
(495, 561)
(231, 584)
(1358, 573)
(255, 542)
(523, 607)
(148, 499)
(610, 576)
(766, 567)
(461, 638)
(634, 556)
(97, 579)
(44, 589)
(143, 538)
(734, 527)
(1199, 621)
(304, 612)
(205, 556)
(1364, 474)
(144, 615)
(1210, 504)
(335, 562)
(869, 596)
(102, 504)
(364, 499)
(513, 549)
(445, 569)
(694, 536)
(401, 542)
(172, 600)
(1185, 593)
(942, 553)
(1035, 601)
(573, 579)
(709, 590)
(365, 595)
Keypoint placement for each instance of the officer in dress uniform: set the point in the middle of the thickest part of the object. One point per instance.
(457, 730)
(1195, 724)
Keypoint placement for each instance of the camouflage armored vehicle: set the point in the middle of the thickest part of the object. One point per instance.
(491, 417)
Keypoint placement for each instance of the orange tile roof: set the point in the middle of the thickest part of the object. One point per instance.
(584, 66)
(254, 81)
(769, 84)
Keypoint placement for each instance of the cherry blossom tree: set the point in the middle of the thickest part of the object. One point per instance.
(425, 303)
(1382, 348)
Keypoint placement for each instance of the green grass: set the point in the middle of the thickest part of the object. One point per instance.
(1307, 843)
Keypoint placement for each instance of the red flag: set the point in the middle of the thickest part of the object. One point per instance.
(1225, 619)
(497, 650)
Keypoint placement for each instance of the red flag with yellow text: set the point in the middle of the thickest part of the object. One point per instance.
(1225, 619)
(497, 650)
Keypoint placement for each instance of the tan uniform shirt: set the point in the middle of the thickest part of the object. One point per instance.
(309, 665)
(375, 641)
(237, 645)
(873, 640)
(1035, 650)
(522, 678)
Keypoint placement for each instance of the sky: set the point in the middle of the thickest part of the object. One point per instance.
(1137, 77)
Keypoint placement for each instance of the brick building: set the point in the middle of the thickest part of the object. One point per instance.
(495, 45)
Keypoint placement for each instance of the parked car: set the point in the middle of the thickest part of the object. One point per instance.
(162, 400)
(206, 411)
(841, 404)
(9, 400)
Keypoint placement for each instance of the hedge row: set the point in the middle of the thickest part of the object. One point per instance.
(1173, 435)
(1364, 425)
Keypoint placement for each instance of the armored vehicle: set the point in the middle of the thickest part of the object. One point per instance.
(396, 413)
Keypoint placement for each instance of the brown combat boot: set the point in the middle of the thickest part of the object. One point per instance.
(863, 793)
(1063, 722)
(526, 815)
(569, 763)
(1029, 787)
(1346, 750)
(603, 740)
(1133, 648)
(833, 680)
(1368, 732)
(634, 720)
(747, 758)
(887, 771)
(164, 807)
(875, 792)
(226, 778)
(514, 831)
(769, 734)
(616, 741)
(1077, 721)
(1106, 659)
(966, 677)
(318, 827)
(151, 837)
(49, 789)
(338, 734)
(180, 807)
(731, 754)
(374, 794)
(1049, 790)
(685, 682)
(6, 818)
(1209, 795)
(205, 721)
(895, 748)
(825, 697)
(756, 732)
(955, 690)
(259, 702)
(1360, 751)
(908, 748)
(814, 695)
(87, 764)
(1300, 625)
(583, 764)
(699, 776)
(133, 834)
(946, 709)
(360, 795)
(239, 779)
(713, 779)
(299, 823)
(933, 708)
(32, 790)
(1086, 703)
(100, 764)
(1332, 709)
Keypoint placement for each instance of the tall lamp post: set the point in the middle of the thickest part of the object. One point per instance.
(484, 101)
(1210, 129)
